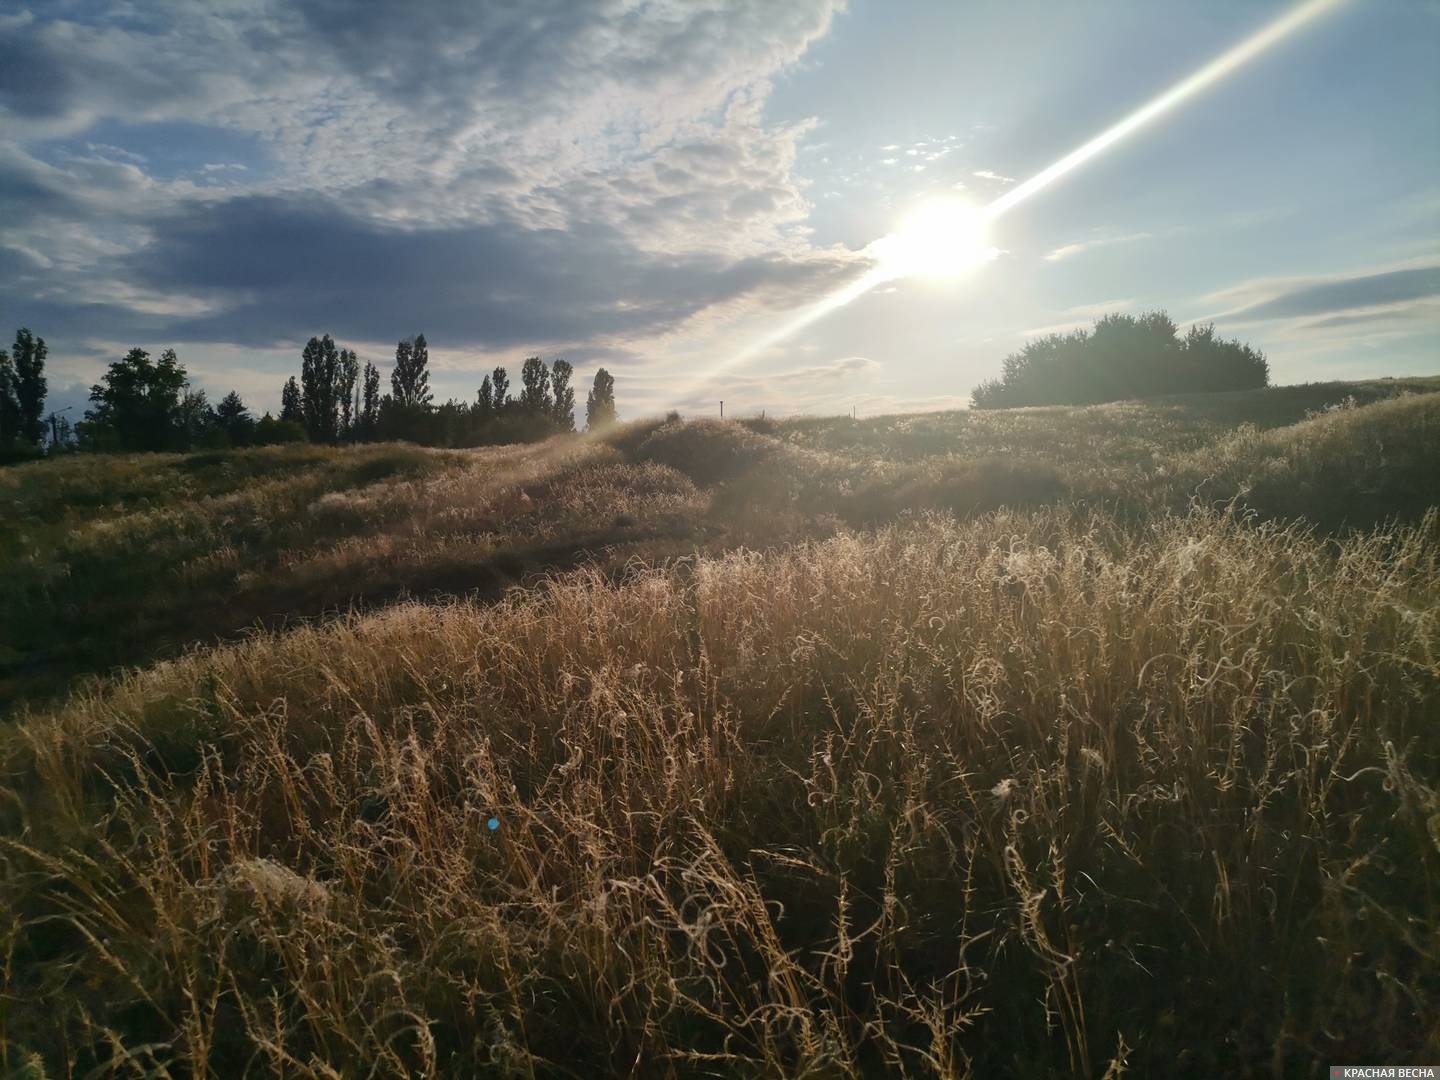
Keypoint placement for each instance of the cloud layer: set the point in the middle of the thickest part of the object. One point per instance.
(501, 176)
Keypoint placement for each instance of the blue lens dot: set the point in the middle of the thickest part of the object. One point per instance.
(493, 824)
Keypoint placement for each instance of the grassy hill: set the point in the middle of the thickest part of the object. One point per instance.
(1040, 742)
(122, 559)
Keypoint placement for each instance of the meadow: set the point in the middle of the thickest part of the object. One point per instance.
(1061, 741)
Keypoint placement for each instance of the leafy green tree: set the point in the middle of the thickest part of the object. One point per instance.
(235, 420)
(600, 402)
(292, 403)
(137, 404)
(28, 357)
(563, 409)
(535, 399)
(410, 381)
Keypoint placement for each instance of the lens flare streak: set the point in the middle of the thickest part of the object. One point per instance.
(1176, 95)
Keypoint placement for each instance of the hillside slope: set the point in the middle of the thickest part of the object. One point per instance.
(1048, 742)
(122, 559)
(1031, 794)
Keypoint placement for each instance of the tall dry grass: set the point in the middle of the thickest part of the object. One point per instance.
(121, 559)
(1032, 794)
(117, 560)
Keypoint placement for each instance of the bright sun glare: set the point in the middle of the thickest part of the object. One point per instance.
(946, 237)
(942, 237)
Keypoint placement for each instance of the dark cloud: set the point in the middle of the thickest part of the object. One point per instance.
(35, 82)
(279, 269)
(24, 190)
(60, 74)
(1370, 290)
(548, 173)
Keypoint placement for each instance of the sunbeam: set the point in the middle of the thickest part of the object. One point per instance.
(900, 255)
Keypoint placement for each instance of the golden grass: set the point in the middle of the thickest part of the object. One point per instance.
(1032, 793)
(115, 560)
(142, 555)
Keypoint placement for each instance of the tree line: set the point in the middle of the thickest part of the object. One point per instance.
(334, 400)
(142, 403)
(1123, 356)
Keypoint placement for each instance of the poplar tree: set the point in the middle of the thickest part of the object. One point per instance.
(563, 409)
(319, 382)
(28, 357)
(9, 403)
(291, 406)
(370, 401)
(410, 381)
(600, 402)
(535, 399)
(501, 381)
(348, 373)
(485, 400)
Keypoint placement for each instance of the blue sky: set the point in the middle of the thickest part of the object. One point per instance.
(656, 186)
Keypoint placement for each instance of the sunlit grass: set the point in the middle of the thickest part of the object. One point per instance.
(120, 559)
(1032, 742)
(934, 801)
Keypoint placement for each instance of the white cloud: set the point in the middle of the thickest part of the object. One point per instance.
(1068, 250)
(1079, 317)
(637, 131)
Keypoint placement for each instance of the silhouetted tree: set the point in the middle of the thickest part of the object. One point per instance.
(137, 404)
(346, 393)
(451, 425)
(198, 425)
(235, 420)
(563, 409)
(535, 399)
(28, 357)
(485, 401)
(600, 402)
(370, 401)
(319, 388)
(292, 406)
(9, 404)
(269, 431)
(62, 433)
(410, 381)
(500, 380)
(1122, 356)
(1217, 364)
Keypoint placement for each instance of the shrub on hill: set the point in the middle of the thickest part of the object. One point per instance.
(1124, 356)
(707, 451)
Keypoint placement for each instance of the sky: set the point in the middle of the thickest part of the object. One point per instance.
(663, 187)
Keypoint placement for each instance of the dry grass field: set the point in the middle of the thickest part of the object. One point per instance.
(1051, 742)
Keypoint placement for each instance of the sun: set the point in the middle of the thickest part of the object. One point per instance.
(940, 238)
